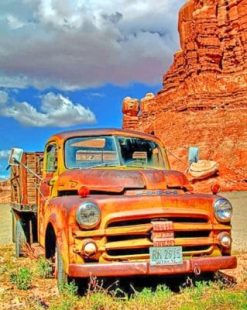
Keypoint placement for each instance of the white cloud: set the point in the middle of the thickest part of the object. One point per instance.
(14, 22)
(80, 43)
(4, 154)
(55, 111)
(15, 81)
(95, 94)
(3, 97)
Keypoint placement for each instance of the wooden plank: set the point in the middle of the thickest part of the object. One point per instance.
(23, 183)
(31, 184)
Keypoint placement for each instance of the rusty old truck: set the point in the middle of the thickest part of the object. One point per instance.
(106, 203)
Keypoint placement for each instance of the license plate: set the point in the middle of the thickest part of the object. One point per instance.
(170, 255)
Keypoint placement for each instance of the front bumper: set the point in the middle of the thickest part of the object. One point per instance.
(124, 269)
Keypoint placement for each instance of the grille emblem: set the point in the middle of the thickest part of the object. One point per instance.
(163, 233)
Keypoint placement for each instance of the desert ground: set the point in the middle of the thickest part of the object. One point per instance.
(5, 224)
(239, 232)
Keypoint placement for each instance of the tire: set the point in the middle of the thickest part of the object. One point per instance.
(20, 238)
(62, 277)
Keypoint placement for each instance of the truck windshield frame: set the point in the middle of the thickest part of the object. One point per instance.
(112, 151)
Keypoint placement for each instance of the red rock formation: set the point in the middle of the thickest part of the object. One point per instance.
(130, 112)
(204, 97)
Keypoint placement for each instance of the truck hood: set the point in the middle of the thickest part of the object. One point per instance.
(118, 180)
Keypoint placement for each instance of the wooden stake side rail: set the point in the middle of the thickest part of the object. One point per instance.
(24, 185)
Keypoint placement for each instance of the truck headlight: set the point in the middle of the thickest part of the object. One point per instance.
(88, 215)
(223, 210)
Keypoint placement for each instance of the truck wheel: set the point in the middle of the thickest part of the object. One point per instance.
(20, 238)
(62, 277)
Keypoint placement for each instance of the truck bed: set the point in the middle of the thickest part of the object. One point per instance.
(24, 185)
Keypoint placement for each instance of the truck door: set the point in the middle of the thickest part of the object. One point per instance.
(50, 174)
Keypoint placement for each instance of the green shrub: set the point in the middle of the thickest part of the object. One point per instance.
(68, 297)
(149, 299)
(68, 289)
(44, 268)
(200, 289)
(103, 301)
(22, 278)
(231, 300)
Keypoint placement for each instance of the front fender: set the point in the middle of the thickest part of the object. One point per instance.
(57, 223)
(61, 240)
(60, 214)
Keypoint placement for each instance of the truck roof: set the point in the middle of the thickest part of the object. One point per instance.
(97, 132)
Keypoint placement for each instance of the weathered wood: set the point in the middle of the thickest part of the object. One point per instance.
(24, 185)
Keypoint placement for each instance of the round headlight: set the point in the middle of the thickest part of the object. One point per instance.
(225, 240)
(88, 215)
(223, 210)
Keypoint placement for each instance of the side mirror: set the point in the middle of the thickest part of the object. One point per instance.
(193, 154)
(15, 157)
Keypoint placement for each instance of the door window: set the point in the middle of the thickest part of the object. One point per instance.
(51, 158)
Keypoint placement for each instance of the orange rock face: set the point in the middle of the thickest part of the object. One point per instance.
(203, 101)
(130, 112)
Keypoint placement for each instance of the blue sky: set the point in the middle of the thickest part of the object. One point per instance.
(67, 64)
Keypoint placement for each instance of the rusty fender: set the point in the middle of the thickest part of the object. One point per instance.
(60, 213)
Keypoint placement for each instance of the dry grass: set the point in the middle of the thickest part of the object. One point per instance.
(43, 293)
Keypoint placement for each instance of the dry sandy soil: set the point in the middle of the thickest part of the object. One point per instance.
(239, 225)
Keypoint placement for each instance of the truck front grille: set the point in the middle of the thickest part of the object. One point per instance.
(131, 239)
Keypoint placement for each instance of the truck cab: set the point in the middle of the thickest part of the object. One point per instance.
(110, 206)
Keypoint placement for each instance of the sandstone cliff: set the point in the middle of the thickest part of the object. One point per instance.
(203, 101)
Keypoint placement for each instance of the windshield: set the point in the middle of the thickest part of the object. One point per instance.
(112, 151)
